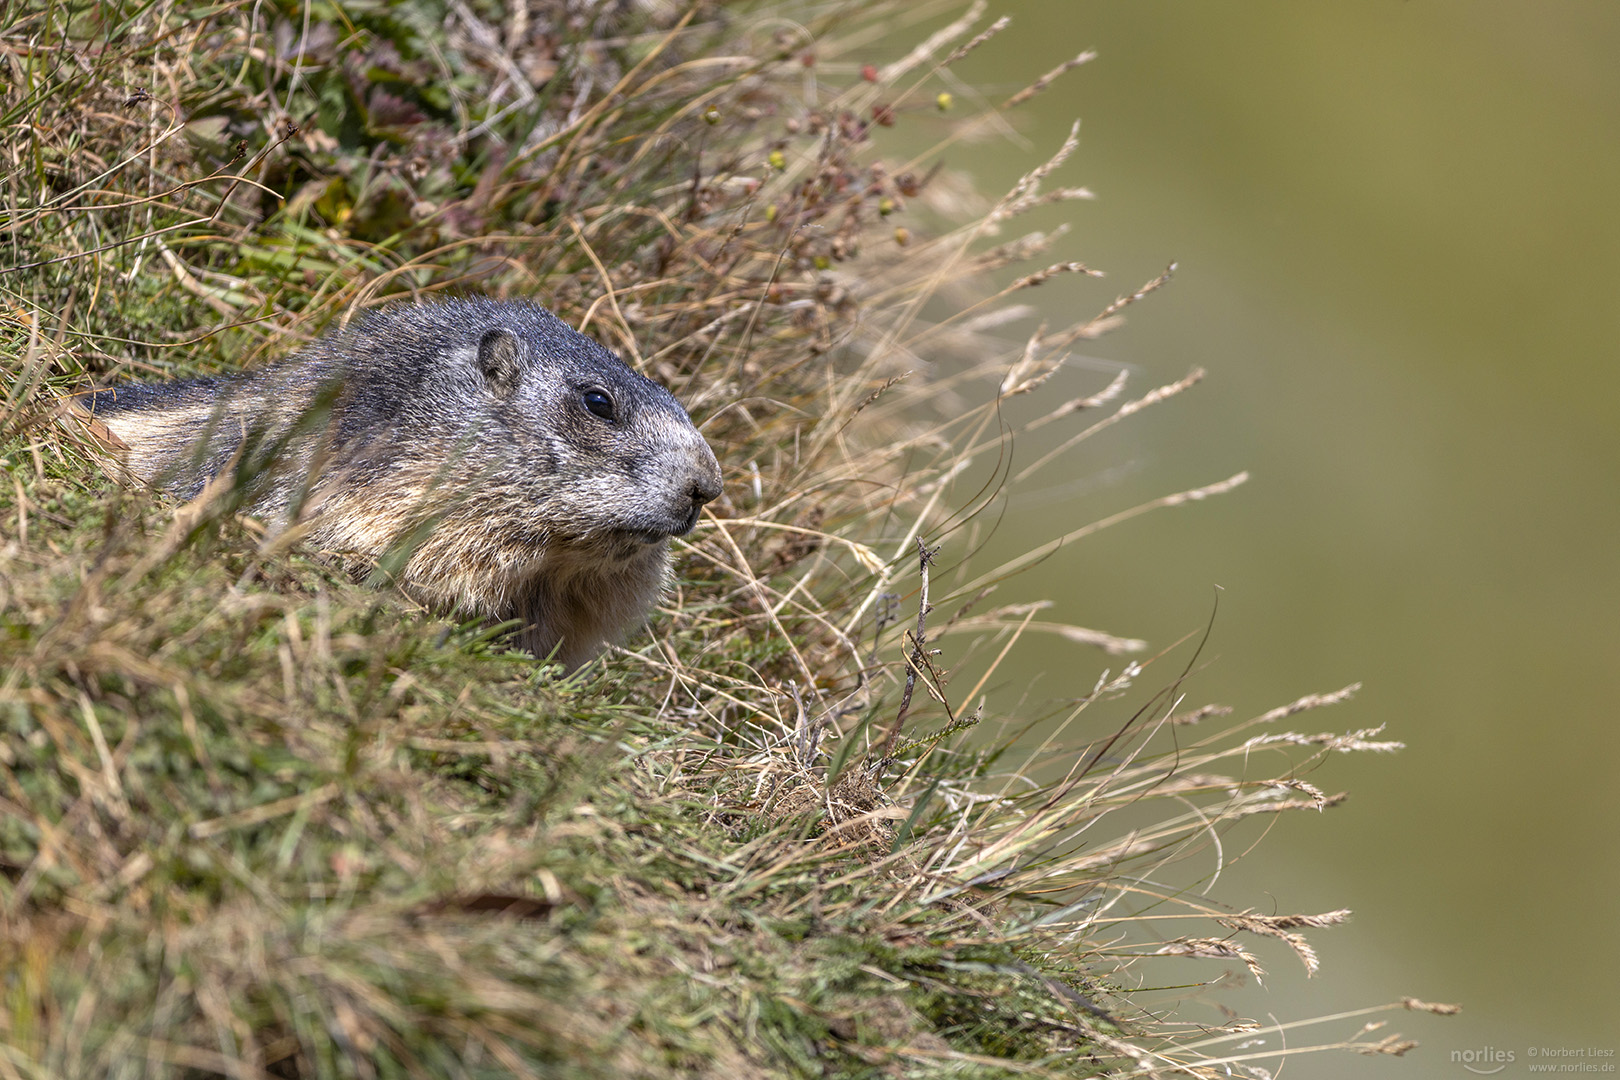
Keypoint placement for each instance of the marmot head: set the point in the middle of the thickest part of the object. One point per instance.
(569, 444)
(618, 450)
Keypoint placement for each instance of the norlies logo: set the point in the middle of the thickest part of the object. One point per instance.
(1486, 1061)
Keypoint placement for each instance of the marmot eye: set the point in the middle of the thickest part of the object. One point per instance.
(599, 403)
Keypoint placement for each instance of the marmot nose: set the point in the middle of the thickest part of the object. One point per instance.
(701, 489)
(705, 486)
(704, 490)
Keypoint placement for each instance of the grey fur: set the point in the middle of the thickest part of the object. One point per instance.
(461, 439)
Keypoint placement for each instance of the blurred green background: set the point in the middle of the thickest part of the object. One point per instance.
(1398, 224)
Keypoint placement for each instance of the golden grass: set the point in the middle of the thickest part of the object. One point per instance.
(255, 820)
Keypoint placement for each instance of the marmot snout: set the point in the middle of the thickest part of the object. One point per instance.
(521, 469)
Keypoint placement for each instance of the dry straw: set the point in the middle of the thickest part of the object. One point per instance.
(256, 820)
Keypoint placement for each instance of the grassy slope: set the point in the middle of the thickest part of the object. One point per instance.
(258, 820)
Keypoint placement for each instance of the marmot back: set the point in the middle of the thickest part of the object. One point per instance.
(527, 472)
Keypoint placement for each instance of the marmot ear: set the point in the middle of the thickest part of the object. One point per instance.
(500, 359)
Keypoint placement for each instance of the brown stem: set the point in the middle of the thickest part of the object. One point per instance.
(914, 664)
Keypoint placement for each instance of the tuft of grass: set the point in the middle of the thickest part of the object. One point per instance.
(258, 820)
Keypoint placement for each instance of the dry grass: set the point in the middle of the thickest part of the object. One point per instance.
(257, 821)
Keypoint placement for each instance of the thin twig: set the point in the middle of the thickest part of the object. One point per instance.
(919, 641)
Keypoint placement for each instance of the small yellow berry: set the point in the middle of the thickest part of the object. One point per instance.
(777, 160)
(944, 101)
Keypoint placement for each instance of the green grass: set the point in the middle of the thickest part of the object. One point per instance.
(257, 819)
